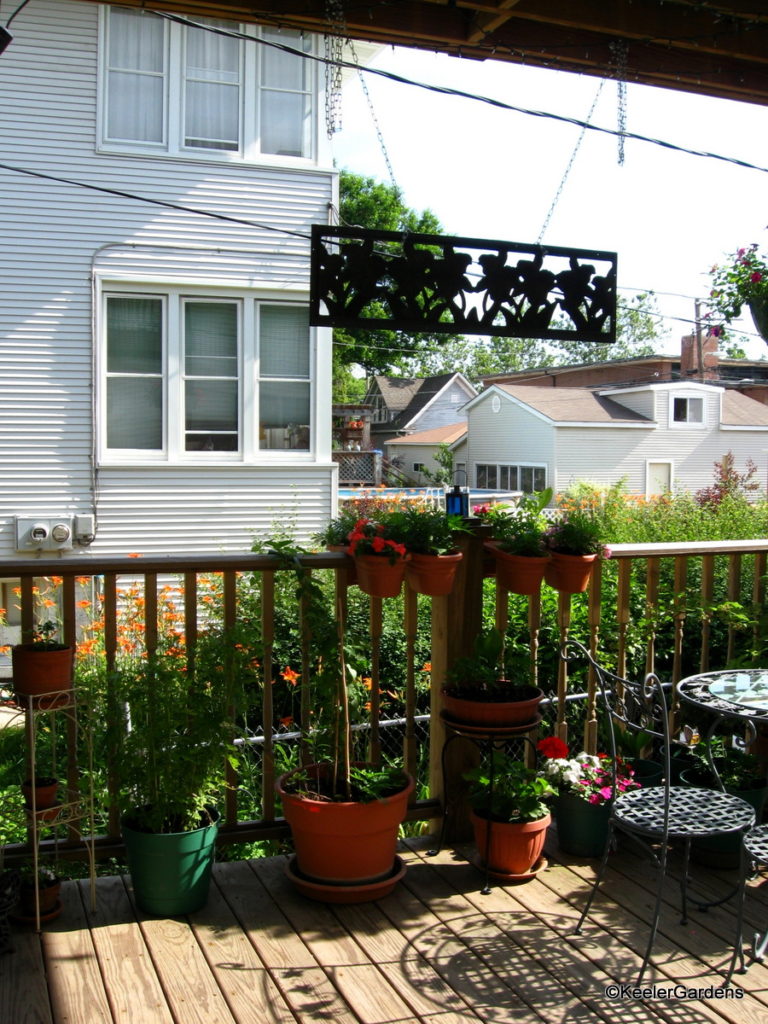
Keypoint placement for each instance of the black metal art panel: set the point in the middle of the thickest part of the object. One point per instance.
(442, 284)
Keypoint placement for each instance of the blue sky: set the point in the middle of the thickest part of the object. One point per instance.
(491, 173)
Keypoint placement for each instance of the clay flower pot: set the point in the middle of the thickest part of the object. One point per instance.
(42, 676)
(520, 574)
(378, 576)
(570, 574)
(514, 848)
(40, 794)
(520, 709)
(432, 575)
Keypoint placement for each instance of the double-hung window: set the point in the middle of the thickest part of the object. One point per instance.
(686, 410)
(220, 90)
(191, 377)
(526, 478)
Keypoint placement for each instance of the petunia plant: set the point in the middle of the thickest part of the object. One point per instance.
(588, 776)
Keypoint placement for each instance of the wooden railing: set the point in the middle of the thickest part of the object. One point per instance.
(704, 599)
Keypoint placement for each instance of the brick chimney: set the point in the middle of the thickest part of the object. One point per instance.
(701, 364)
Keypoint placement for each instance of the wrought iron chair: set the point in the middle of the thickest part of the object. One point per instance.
(754, 855)
(656, 816)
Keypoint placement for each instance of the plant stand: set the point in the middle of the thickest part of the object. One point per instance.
(77, 811)
(485, 738)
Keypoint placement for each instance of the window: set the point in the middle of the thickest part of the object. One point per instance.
(511, 478)
(178, 89)
(178, 370)
(418, 467)
(687, 410)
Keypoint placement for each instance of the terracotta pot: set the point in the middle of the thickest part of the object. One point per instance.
(351, 568)
(569, 574)
(43, 790)
(49, 898)
(521, 574)
(514, 848)
(492, 714)
(432, 574)
(42, 676)
(379, 577)
(343, 842)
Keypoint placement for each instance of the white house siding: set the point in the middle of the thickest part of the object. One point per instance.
(442, 411)
(57, 235)
(409, 454)
(509, 436)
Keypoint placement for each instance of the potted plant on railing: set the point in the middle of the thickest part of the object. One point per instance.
(335, 537)
(478, 691)
(170, 738)
(582, 804)
(519, 542)
(574, 541)
(742, 281)
(429, 537)
(344, 814)
(42, 668)
(509, 816)
(741, 775)
(380, 554)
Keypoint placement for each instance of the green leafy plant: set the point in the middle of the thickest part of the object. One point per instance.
(737, 769)
(484, 674)
(336, 532)
(517, 794)
(44, 637)
(427, 531)
(382, 537)
(577, 531)
(520, 529)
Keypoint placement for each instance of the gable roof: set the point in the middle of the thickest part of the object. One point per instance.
(740, 410)
(449, 434)
(407, 396)
(570, 405)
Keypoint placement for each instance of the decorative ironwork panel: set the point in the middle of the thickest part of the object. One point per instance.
(448, 285)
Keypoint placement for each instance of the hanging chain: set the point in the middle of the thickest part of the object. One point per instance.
(376, 125)
(619, 52)
(564, 178)
(334, 52)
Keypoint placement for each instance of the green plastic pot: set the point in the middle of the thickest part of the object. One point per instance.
(582, 827)
(171, 872)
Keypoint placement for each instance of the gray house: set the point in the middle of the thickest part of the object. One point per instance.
(405, 405)
(657, 437)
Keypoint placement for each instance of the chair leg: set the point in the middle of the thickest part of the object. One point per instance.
(738, 941)
(598, 880)
(662, 872)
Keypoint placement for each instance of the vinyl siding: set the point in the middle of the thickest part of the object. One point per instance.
(442, 411)
(510, 436)
(58, 236)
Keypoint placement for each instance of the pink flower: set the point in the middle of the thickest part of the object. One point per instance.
(756, 276)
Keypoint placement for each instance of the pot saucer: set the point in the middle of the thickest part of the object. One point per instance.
(51, 915)
(328, 892)
(488, 730)
(512, 879)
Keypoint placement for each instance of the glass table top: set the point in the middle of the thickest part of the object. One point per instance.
(747, 688)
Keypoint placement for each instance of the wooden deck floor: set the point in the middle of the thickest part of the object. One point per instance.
(436, 951)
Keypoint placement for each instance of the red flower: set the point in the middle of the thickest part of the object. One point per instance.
(757, 276)
(552, 746)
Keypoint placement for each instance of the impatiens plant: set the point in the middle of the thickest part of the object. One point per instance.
(588, 776)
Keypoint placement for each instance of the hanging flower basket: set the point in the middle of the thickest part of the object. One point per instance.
(570, 574)
(521, 574)
(432, 575)
(759, 310)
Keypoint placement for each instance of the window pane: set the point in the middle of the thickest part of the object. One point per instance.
(284, 341)
(136, 40)
(539, 478)
(281, 70)
(504, 477)
(134, 335)
(513, 484)
(135, 413)
(695, 410)
(135, 82)
(526, 479)
(481, 473)
(210, 339)
(285, 123)
(135, 107)
(211, 404)
(284, 415)
(212, 112)
(492, 478)
(680, 408)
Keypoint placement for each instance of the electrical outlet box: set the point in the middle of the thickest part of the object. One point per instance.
(44, 533)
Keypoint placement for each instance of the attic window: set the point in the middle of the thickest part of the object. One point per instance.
(687, 410)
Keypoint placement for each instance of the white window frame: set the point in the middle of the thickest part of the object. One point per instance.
(688, 397)
(173, 451)
(174, 102)
(509, 465)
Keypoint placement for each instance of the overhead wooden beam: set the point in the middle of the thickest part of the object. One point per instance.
(485, 24)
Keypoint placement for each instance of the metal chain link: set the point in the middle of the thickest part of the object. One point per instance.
(334, 52)
(376, 125)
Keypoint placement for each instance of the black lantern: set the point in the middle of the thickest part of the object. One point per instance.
(457, 499)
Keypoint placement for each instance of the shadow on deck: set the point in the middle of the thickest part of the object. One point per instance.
(436, 951)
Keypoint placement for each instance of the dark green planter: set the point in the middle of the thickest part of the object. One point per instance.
(759, 311)
(582, 827)
(680, 758)
(171, 872)
(647, 773)
(722, 851)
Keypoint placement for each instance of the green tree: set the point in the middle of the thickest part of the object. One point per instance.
(365, 202)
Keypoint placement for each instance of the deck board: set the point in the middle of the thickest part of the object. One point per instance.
(435, 951)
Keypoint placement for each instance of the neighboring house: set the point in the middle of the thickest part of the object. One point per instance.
(698, 360)
(414, 453)
(655, 437)
(403, 406)
(162, 388)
